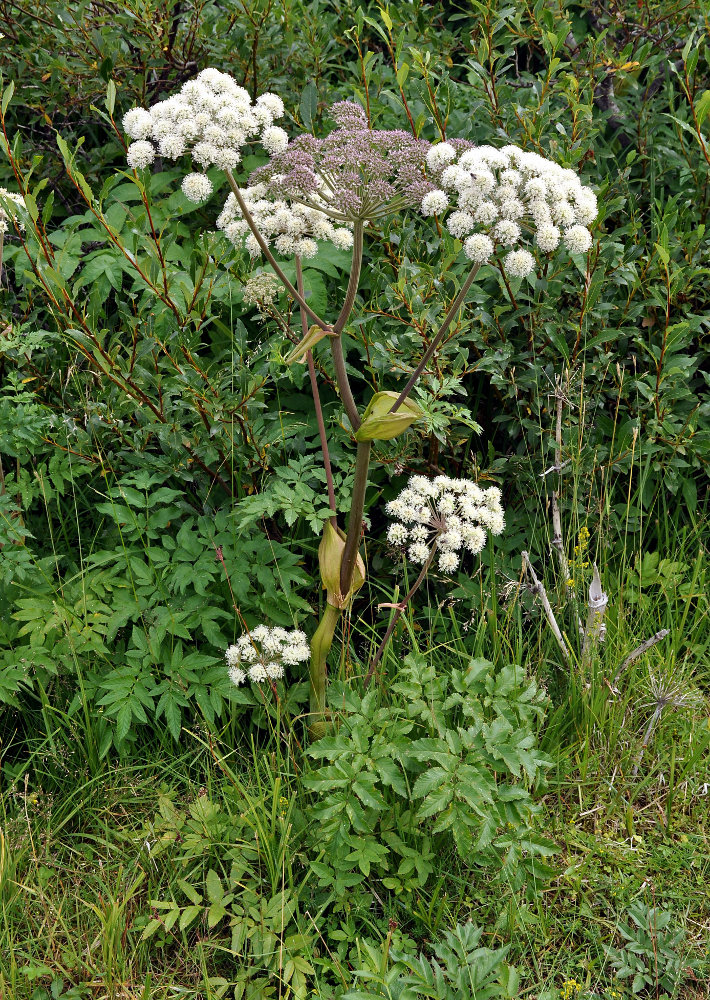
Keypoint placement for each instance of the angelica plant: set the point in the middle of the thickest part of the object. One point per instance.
(505, 205)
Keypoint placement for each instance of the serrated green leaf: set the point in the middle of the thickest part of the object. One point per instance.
(187, 916)
(213, 886)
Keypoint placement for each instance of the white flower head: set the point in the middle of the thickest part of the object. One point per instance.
(261, 291)
(293, 228)
(478, 248)
(197, 187)
(507, 232)
(261, 654)
(519, 263)
(508, 192)
(434, 203)
(547, 237)
(577, 239)
(443, 515)
(460, 224)
(138, 123)
(140, 154)
(440, 156)
(211, 116)
(274, 139)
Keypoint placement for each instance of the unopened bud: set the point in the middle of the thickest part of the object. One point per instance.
(379, 424)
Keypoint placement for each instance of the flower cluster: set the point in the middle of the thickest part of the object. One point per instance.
(211, 117)
(570, 989)
(496, 194)
(6, 211)
(261, 290)
(445, 515)
(355, 173)
(261, 654)
(291, 228)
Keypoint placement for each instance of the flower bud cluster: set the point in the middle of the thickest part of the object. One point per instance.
(211, 117)
(355, 173)
(263, 653)
(290, 228)
(6, 210)
(444, 515)
(496, 194)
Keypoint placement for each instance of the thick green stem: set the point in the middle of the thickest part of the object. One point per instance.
(246, 214)
(353, 280)
(454, 308)
(320, 647)
(336, 343)
(316, 402)
(357, 506)
(341, 375)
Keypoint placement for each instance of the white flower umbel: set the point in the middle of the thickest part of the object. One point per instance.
(197, 187)
(510, 197)
(288, 227)
(211, 117)
(264, 652)
(444, 515)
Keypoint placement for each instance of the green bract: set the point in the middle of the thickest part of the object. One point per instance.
(379, 424)
(307, 343)
(330, 557)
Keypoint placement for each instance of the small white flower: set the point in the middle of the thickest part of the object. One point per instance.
(172, 146)
(307, 248)
(535, 189)
(455, 177)
(418, 553)
(252, 244)
(511, 208)
(448, 562)
(434, 203)
(261, 290)
(197, 187)
(237, 676)
(540, 212)
(486, 213)
(577, 239)
(263, 652)
(562, 213)
(459, 224)
(342, 239)
(140, 154)
(496, 522)
(547, 237)
(273, 103)
(478, 248)
(507, 232)
(138, 123)
(440, 155)
(452, 515)
(518, 263)
(274, 139)
(586, 208)
(474, 539)
(397, 534)
(257, 673)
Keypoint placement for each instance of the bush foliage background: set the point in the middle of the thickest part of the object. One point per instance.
(158, 459)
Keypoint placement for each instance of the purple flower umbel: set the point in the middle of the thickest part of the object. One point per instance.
(355, 174)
